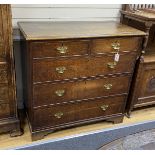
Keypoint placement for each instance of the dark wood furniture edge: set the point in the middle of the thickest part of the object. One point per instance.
(134, 87)
(11, 125)
(135, 16)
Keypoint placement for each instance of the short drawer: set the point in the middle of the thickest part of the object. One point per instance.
(45, 94)
(59, 48)
(57, 70)
(67, 113)
(4, 110)
(100, 46)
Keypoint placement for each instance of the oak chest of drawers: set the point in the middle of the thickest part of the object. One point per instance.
(76, 72)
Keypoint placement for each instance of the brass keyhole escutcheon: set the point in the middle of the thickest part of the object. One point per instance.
(116, 46)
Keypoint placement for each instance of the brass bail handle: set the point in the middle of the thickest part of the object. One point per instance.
(108, 86)
(58, 115)
(62, 49)
(104, 107)
(60, 70)
(60, 92)
(116, 46)
(112, 65)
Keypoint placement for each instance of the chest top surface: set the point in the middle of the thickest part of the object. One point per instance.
(70, 30)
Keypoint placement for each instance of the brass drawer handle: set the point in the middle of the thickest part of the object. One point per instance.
(111, 65)
(108, 86)
(60, 70)
(116, 46)
(104, 107)
(58, 115)
(62, 49)
(60, 92)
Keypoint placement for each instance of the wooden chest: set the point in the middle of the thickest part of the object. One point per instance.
(77, 72)
(8, 107)
(143, 87)
(142, 17)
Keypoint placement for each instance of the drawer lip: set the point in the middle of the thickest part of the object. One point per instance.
(77, 115)
(79, 101)
(124, 52)
(60, 41)
(84, 78)
(87, 55)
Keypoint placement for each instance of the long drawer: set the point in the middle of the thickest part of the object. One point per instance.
(45, 94)
(61, 69)
(62, 114)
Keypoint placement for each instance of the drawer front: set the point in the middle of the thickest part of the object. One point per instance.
(4, 110)
(3, 74)
(67, 113)
(59, 48)
(46, 94)
(100, 46)
(53, 70)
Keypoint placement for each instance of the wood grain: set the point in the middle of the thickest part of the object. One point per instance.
(86, 73)
(78, 111)
(72, 90)
(81, 67)
(9, 121)
(50, 49)
(142, 17)
(68, 30)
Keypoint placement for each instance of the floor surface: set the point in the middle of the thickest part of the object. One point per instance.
(138, 116)
(140, 141)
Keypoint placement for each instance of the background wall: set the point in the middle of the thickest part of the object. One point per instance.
(52, 12)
